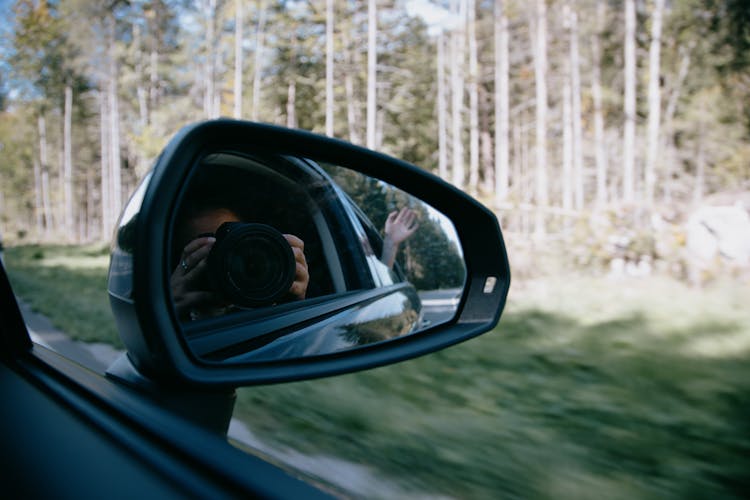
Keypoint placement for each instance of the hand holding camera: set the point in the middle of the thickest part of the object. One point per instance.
(242, 265)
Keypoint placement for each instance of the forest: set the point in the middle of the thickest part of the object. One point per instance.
(596, 121)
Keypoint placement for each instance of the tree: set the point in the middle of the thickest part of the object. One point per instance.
(654, 100)
(502, 103)
(629, 105)
(540, 74)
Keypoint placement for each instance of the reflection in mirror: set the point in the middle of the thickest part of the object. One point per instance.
(276, 256)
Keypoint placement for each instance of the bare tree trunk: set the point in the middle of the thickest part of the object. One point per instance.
(260, 35)
(654, 100)
(141, 92)
(352, 114)
(567, 156)
(90, 220)
(154, 85)
(502, 103)
(105, 161)
(291, 100)
(575, 80)
(114, 132)
(238, 57)
(540, 71)
(628, 143)
(371, 72)
(700, 166)
(208, 100)
(473, 98)
(44, 166)
(669, 112)
(38, 197)
(329, 67)
(68, 162)
(457, 93)
(442, 110)
(596, 91)
(154, 91)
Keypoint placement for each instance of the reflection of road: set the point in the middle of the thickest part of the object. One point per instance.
(439, 306)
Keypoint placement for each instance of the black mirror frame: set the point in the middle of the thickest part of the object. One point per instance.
(159, 352)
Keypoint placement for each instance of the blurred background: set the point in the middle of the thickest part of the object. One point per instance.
(610, 138)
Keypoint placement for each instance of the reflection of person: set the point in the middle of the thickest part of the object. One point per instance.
(193, 297)
(399, 226)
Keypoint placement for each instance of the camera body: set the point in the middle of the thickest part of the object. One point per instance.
(251, 265)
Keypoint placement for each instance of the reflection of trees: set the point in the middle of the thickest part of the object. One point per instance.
(380, 329)
(429, 259)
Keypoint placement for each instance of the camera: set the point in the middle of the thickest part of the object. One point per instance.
(251, 265)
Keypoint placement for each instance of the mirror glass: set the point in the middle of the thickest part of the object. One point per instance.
(275, 256)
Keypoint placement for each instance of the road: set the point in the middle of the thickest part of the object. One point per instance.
(439, 306)
(96, 357)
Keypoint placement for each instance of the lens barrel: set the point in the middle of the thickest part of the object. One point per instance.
(251, 265)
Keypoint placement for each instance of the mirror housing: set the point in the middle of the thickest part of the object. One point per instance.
(139, 277)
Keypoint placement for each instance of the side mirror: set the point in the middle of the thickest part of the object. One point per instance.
(254, 254)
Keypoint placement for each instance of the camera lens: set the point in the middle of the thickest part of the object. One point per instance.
(251, 265)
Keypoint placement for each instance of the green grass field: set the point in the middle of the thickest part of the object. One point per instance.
(588, 388)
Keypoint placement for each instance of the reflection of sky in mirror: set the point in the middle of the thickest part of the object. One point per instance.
(132, 207)
(447, 226)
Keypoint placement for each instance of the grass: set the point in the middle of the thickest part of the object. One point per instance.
(68, 284)
(588, 388)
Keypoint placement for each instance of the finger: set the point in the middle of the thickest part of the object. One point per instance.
(196, 244)
(194, 274)
(195, 252)
(299, 256)
(294, 242)
(194, 259)
(302, 279)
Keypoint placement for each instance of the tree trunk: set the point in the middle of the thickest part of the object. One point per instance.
(371, 72)
(105, 161)
(502, 103)
(258, 65)
(540, 72)
(68, 163)
(457, 94)
(352, 103)
(154, 84)
(208, 100)
(38, 197)
(654, 100)
(596, 92)
(154, 92)
(44, 168)
(291, 101)
(141, 92)
(238, 57)
(567, 156)
(114, 133)
(473, 99)
(442, 110)
(329, 67)
(674, 96)
(629, 107)
(575, 82)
